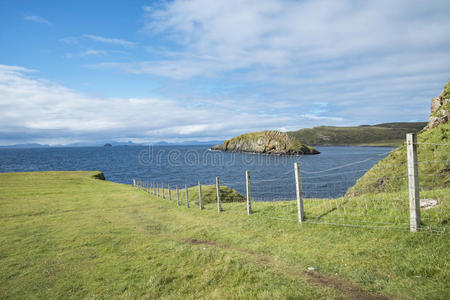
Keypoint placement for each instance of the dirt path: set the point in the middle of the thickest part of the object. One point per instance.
(349, 289)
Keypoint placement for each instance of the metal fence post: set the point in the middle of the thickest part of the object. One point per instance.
(219, 204)
(187, 195)
(298, 190)
(200, 200)
(249, 192)
(413, 182)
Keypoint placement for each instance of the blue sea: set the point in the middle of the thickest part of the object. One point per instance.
(328, 174)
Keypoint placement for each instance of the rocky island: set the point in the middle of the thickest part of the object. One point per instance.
(266, 142)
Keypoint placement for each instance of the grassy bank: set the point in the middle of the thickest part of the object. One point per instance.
(390, 173)
(69, 235)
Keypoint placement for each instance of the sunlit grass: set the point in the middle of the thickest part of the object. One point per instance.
(68, 235)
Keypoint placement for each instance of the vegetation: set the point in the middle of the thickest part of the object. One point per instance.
(390, 173)
(208, 194)
(267, 142)
(446, 94)
(387, 134)
(69, 235)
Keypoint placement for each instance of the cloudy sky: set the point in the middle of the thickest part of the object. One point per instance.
(145, 71)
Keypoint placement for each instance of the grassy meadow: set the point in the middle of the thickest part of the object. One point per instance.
(70, 235)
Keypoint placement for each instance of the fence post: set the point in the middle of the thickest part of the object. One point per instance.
(298, 190)
(163, 192)
(219, 205)
(151, 188)
(178, 195)
(249, 192)
(200, 200)
(413, 182)
(134, 182)
(187, 195)
(157, 191)
(170, 192)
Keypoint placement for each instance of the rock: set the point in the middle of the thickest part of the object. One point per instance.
(440, 109)
(428, 203)
(267, 142)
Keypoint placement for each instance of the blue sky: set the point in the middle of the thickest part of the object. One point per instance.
(95, 71)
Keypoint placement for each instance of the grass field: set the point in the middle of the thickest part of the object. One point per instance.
(69, 235)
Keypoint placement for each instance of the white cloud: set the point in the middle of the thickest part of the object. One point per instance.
(73, 40)
(288, 36)
(36, 110)
(93, 52)
(108, 40)
(37, 19)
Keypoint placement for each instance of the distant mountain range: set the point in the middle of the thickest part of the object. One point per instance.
(386, 134)
(129, 143)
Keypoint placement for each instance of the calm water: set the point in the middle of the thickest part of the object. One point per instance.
(328, 174)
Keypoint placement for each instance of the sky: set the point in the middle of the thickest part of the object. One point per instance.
(146, 71)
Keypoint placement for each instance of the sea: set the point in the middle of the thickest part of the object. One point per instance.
(272, 177)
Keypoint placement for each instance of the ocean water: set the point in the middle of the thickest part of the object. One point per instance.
(328, 174)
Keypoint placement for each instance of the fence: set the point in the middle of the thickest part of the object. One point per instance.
(417, 199)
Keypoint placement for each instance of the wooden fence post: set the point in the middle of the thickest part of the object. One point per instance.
(187, 195)
(178, 195)
(163, 191)
(249, 192)
(413, 182)
(219, 204)
(134, 182)
(298, 190)
(157, 191)
(200, 200)
(170, 191)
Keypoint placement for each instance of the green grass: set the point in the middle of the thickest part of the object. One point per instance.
(69, 235)
(390, 173)
(388, 134)
(446, 94)
(208, 194)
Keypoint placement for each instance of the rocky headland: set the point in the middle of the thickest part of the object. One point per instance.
(266, 142)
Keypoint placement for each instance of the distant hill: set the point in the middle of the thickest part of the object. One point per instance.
(386, 134)
(113, 143)
(188, 143)
(30, 145)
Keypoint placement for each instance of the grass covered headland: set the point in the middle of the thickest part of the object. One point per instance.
(71, 235)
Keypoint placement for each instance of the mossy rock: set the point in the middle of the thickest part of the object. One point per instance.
(227, 194)
(266, 142)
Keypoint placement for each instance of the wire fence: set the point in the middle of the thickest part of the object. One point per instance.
(409, 193)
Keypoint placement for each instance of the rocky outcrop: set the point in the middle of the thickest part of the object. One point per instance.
(267, 142)
(440, 109)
